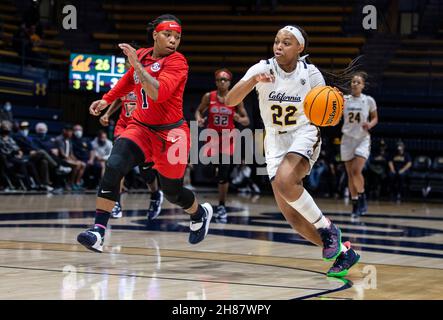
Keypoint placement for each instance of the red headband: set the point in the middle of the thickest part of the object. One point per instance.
(223, 74)
(169, 25)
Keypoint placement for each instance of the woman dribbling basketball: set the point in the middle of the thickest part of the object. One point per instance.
(292, 143)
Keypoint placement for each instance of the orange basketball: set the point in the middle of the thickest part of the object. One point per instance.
(324, 106)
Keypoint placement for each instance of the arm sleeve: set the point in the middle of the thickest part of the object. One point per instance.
(372, 104)
(122, 88)
(315, 77)
(257, 68)
(174, 73)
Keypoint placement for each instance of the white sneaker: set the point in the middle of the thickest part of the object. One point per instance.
(91, 239)
(199, 229)
(117, 212)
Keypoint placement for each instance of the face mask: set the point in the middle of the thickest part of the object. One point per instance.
(101, 142)
(25, 132)
(7, 107)
(41, 134)
(5, 131)
(78, 133)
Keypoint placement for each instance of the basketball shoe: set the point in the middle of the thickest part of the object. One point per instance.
(92, 239)
(344, 262)
(156, 205)
(117, 212)
(221, 213)
(331, 238)
(199, 228)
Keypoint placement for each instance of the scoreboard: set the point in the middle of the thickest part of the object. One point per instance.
(96, 73)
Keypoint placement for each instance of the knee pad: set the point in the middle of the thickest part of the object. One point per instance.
(147, 173)
(223, 173)
(175, 192)
(110, 183)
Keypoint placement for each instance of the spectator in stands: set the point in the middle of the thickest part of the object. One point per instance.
(102, 147)
(83, 151)
(6, 112)
(31, 16)
(399, 165)
(337, 169)
(42, 161)
(378, 170)
(13, 158)
(64, 144)
(34, 37)
(21, 42)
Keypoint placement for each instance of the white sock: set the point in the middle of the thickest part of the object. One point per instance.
(306, 206)
(343, 248)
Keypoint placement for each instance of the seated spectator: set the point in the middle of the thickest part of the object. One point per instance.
(21, 42)
(102, 147)
(34, 37)
(66, 151)
(13, 159)
(378, 170)
(399, 165)
(6, 112)
(83, 151)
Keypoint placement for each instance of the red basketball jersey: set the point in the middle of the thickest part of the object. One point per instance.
(171, 73)
(129, 104)
(220, 116)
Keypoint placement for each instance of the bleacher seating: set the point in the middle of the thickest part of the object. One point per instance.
(237, 41)
(51, 46)
(419, 174)
(436, 175)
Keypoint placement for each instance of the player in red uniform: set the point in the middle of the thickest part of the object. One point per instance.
(221, 118)
(127, 104)
(156, 133)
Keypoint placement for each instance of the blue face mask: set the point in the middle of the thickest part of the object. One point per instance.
(7, 107)
(41, 134)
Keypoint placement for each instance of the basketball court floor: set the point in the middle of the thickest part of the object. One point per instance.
(255, 255)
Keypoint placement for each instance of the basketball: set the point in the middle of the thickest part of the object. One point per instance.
(324, 106)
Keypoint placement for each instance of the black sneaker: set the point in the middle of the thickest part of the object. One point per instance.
(117, 212)
(220, 213)
(344, 262)
(362, 204)
(92, 239)
(355, 209)
(331, 238)
(199, 228)
(156, 206)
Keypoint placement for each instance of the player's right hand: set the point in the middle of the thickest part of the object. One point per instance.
(104, 120)
(201, 122)
(97, 106)
(264, 77)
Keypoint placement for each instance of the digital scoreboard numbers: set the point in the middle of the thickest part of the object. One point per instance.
(96, 73)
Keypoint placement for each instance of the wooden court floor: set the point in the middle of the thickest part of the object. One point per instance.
(255, 255)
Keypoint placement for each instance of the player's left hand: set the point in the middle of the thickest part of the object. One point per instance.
(130, 52)
(365, 126)
(338, 90)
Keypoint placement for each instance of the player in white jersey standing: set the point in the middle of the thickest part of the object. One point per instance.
(360, 116)
(292, 144)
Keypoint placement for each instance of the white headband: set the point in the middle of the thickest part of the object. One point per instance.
(297, 34)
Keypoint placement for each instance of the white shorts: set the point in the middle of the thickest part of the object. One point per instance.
(351, 148)
(305, 141)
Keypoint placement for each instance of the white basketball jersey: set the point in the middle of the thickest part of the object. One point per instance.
(356, 112)
(281, 102)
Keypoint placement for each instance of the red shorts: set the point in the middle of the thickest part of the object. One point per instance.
(120, 127)
(168, 149)
(225, 144)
